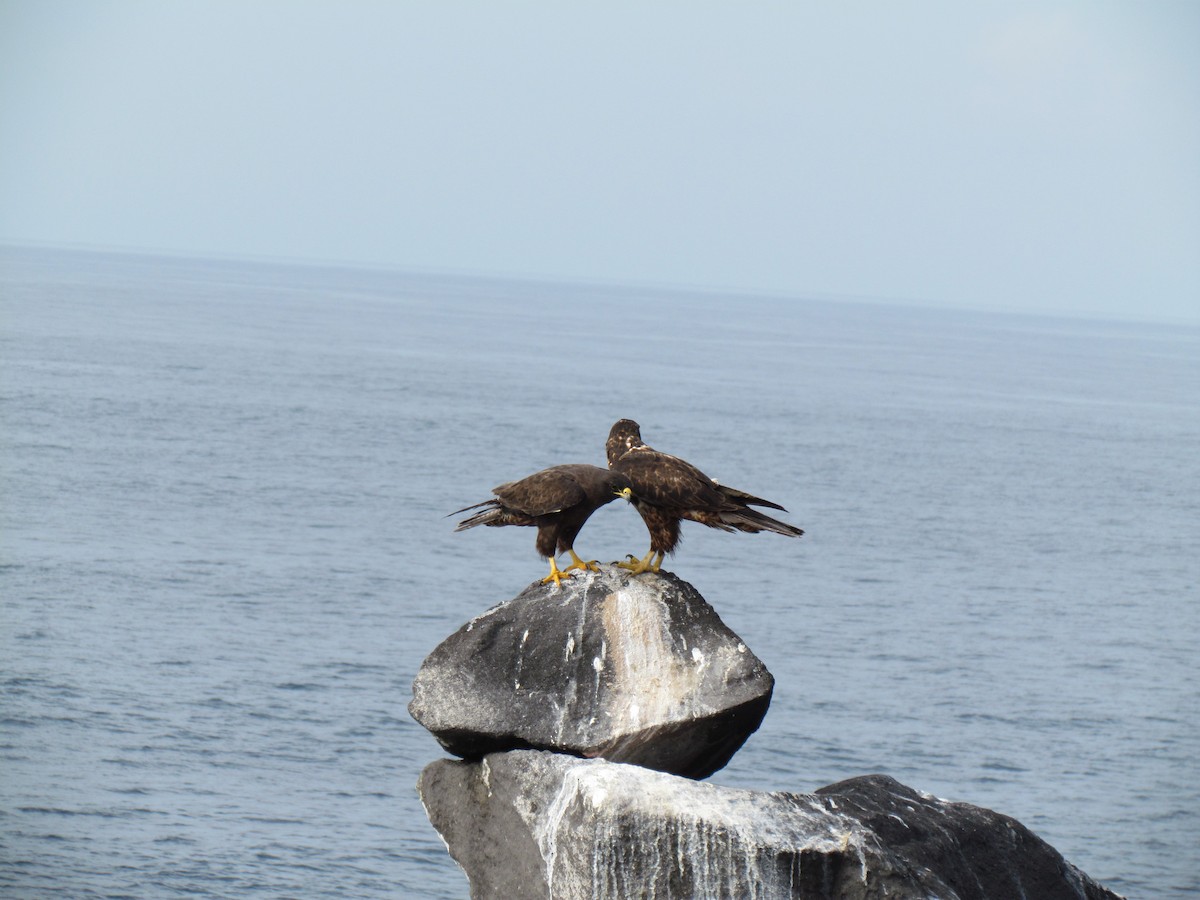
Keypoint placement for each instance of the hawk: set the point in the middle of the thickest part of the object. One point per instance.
(556, 501)
(666, 489)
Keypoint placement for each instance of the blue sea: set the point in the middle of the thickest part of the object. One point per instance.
(225, 553)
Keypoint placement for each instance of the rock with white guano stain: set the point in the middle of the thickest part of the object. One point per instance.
(543, 825)
(635, 669)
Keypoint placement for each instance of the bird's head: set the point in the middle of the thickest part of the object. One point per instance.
(622, 437)
(621, 485)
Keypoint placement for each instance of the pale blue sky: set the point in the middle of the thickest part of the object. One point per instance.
(1025, 156)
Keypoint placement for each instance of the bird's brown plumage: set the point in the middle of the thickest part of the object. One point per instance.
(666, 489)
(557, 501)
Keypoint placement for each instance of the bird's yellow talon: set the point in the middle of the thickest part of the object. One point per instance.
(556, 574)
(648, 563)
(591, 565)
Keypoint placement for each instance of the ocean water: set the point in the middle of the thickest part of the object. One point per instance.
(225, 554)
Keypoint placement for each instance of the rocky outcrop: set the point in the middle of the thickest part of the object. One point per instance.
(632, 669)
(641, 670)
(541, 825)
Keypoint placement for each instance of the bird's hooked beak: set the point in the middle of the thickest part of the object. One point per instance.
(625, 494)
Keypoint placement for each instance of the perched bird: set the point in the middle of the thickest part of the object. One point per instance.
(557, 501)
(666, 489)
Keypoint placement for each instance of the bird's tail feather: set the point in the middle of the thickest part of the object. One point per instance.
(472, 506)
(483, 517)
(753, 521)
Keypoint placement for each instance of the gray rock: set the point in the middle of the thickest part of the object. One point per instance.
(541, 825)
(635, 669)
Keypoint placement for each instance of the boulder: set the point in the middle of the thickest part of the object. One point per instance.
(635, 669)
(542, 825)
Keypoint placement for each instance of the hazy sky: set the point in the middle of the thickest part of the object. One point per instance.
(1031, 156)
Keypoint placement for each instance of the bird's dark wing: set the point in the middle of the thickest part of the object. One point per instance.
(747, 499)
(669, 481)
(541, 493)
